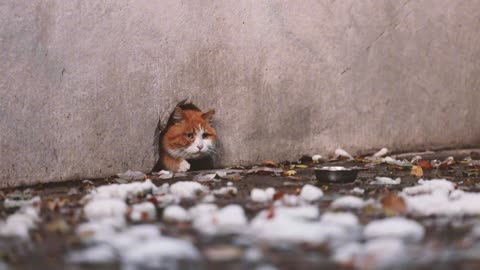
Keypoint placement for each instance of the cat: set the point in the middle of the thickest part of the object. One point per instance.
(188, 140)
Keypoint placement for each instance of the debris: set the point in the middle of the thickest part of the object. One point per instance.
(290, 173)
(269, 163)
(394, 204)
(416, 171)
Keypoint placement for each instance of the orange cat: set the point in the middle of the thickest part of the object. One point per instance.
(188, 135)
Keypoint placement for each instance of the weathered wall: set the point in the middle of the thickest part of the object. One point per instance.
(82, 83)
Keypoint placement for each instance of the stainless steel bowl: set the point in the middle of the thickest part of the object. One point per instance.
(337, 174)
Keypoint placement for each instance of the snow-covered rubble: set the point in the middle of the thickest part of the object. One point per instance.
(187, 189)
(230, 219)
(22, 221)
(349, 202)
(311, 193)
(387, 181)
(396, 227)
(300, 225)
(439, 197)
(176, 213)
(379, 253)
(262, 195)
(430, 186)
(144, 211)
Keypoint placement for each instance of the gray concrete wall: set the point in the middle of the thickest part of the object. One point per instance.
(83, 83)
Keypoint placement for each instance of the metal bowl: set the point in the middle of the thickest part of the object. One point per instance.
(337, 174)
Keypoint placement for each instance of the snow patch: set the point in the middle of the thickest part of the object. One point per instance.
(311, 193)
(396, 227)
(387, 181)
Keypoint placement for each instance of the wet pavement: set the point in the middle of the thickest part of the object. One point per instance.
(442, 240)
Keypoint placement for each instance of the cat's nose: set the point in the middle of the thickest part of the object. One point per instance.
(200, 146)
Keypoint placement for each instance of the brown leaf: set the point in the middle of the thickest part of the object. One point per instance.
(394, 203)
(269, 163)
(279, 195)
(290, 173)
(271, 212)
(425, 164)
(416, 171)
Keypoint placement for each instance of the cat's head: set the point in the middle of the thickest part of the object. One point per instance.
(190, 133)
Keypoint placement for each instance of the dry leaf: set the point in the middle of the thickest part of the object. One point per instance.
(301, 166)
(394, 203)
(425, 164)
(269, 163)
(416, 171)
(290, 173)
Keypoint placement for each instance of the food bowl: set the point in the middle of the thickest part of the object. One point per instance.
(337, 174)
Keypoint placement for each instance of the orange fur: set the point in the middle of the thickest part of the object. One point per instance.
(190, 126)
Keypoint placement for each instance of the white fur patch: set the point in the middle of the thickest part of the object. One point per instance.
(184, 166)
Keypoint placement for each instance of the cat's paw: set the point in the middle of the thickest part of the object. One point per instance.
(184, 166)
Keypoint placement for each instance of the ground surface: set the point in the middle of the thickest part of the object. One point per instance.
(447, 241)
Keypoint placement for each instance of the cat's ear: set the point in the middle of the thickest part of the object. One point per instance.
(208, 115)
(178, 115)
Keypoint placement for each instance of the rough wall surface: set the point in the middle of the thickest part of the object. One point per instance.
(83, 83)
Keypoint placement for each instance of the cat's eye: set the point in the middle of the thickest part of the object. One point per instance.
(206, 135)
(189, 135)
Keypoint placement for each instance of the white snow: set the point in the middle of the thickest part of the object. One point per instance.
(176, 213)
(396, 227)
(9, 203)
(401, 163)
(359, 191)
(387, 181)
(154, 253)
(339, 152)
(202, 209)
(375, 254)
(98, 254)
(164, 174)
(430, 186)
(122, 191)
(381, 153)
(228, 220)
(187, 189)
(261, 195)
(316, 158)
(348, 202)
(311, 193)
(225, 191)
(344, 219)
(21, 222)
(456, 203)
(132, 175)
(295, 225)
(145, 211)
(105, 208)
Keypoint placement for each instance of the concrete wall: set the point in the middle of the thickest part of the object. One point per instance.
(83, 83)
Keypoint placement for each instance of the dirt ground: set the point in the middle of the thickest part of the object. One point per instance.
(61, 212)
